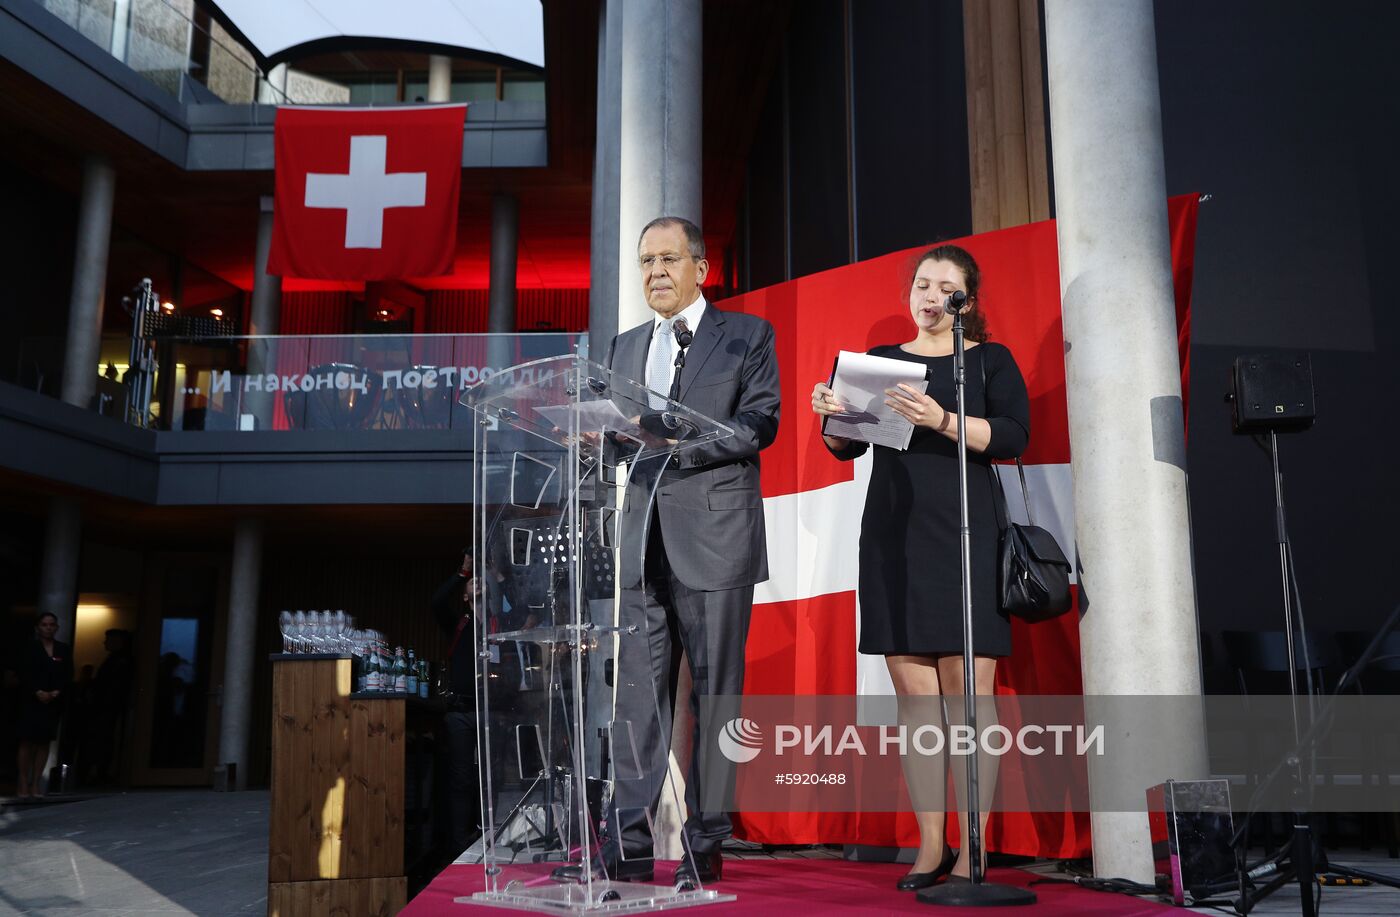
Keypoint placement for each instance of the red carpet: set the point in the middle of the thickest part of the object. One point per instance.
(817, 887)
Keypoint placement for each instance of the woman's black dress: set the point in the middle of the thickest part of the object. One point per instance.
(38, 721)
(910, 560)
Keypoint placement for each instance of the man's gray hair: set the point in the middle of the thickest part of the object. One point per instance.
(693, 237)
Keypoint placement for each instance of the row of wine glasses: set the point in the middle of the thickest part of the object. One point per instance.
(318, 631)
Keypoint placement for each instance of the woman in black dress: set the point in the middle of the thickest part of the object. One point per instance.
(46, 671)
(910, 561)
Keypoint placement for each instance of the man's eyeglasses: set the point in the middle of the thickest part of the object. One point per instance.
(647, 262)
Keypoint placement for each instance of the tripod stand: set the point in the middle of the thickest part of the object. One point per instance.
(1304, 858)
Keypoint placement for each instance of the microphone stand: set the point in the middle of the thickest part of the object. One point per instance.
(976, 892)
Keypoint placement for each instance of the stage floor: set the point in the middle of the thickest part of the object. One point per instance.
(178, 852)
(818, 883)
(816, 886)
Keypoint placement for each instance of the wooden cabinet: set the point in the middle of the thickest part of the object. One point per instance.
(336, 829)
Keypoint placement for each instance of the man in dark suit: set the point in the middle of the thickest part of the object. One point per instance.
(704, 537)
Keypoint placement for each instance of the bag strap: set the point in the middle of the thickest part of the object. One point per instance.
(996, 470)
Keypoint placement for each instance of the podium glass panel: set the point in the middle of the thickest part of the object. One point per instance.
(568, 458)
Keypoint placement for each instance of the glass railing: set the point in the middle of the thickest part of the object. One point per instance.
(158, 39)
(191, 56)
(332, 382)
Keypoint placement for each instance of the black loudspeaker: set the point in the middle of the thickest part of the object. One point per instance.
(1271, 391)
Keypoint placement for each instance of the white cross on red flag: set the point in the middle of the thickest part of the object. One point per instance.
(366, 193)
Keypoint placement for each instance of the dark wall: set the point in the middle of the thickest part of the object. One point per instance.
(1286, 114)
(825, 189)
(913, 184)
(36, 263)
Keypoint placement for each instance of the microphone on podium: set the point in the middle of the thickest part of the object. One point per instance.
(683, 338)
(683, 333)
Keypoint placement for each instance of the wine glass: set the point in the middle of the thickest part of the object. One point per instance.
(299, 625)
(284, 624)
(339, 626)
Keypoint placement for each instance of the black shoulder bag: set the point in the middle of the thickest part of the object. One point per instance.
(1034, 577)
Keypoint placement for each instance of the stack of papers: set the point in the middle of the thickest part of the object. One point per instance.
(859, 382)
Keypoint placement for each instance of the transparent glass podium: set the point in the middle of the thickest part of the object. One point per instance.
(567, 462)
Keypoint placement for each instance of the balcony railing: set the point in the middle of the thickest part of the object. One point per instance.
(296, 382)
(179, 48)
(190, 56)
(332, 382)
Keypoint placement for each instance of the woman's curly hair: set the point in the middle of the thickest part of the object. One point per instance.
(974, 325)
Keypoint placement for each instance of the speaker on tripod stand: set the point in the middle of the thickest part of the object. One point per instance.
(1272, 394)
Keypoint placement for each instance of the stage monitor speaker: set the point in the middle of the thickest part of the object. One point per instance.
(1190, 824)
(1271, 391)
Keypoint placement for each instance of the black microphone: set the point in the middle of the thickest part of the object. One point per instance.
(955, 302)
(683, 333)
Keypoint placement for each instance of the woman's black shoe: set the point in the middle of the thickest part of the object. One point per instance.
(917, 880)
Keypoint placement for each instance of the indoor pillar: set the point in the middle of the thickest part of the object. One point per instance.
(235, 722)
(272, 90)
(266, 307)
(659, 132)
(1138, 629)
(603, 264)
(505, 240)
(82, 350)
(264, 318)
(439, 78)
(58, 570)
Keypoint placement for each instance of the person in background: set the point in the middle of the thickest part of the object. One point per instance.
(46, 676)
(108, 710)
(452, 607)
(470, 592)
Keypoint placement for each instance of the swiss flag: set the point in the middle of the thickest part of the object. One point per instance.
(366, 193)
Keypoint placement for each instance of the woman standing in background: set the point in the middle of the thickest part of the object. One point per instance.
(46, 674)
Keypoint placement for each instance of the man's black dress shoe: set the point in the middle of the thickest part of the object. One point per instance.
(698, 868)
(635, 869)
(917, 880)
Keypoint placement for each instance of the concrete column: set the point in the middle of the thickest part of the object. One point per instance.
(659, 137)
(58, 582)
(1138, 632)
(58, 571)
(603, 263)
(264, 318)
(94, 234)
(236, 719)
(266, 307)
(121, 28)
(273, 89)
(439, 78)
(505, 241)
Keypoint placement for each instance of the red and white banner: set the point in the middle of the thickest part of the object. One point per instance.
(802, 639)
(366, 193)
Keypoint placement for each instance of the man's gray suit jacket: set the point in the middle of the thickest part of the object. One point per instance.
(709, 503)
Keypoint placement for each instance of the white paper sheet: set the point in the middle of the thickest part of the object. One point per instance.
(593, 416)
(859, 384)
